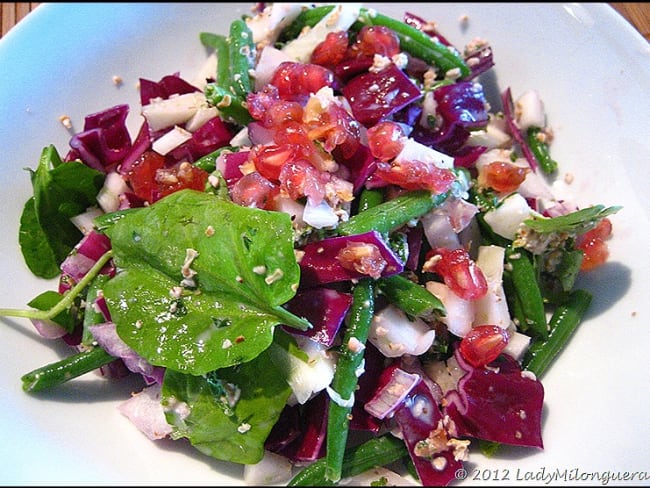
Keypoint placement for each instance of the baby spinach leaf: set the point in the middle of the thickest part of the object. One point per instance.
(37, 253)
(61, 190)
(231, 410)
(245, 270)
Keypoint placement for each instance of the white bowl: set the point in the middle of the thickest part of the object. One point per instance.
(592, 70)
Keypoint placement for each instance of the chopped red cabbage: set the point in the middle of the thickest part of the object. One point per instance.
(508, 112)
(320, 264)
(324, 308)
(212, 135)
(168, 85)
(422, 427)
(498, 403)
(105, 139)
(376, 96)
(142, 143)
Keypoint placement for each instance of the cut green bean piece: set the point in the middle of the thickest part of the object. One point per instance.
(418, 43)
(564, 322)
(410, 297)
(392, 214)
(232, 82)
(57, 373)
(540, 150)
(521, 271)
(378, 451)
(346, 378)
(241, 57)
(307, 18)
(209, 161)
(370, 198)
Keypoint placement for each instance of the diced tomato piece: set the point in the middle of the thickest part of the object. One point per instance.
(502, 176)
(362, 257)
(270, 158)
(483, 344)
(459, 272)
(296, 81)
(416, 175)
(592, 244)
(377, 39)
(253, 190)
(142, 176)
(331, 51)
(385, 140)
(180, 177)
(299, 179)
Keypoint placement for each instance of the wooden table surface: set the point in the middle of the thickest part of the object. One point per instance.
(638, 14)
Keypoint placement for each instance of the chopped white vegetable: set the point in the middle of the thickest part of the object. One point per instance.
(507, 217)
(492, 308)
(84, 221)
(171, 140)
(529, 110)
(394, 334)
(175, 110)
(109, 195)
(319, 216)
(517, 345)
(415, 151)
(459, 314)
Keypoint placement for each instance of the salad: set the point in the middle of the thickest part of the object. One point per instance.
(332, 255)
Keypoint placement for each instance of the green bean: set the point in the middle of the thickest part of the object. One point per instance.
(378, 451)
(540, 150)
(564, 322)
(241, 57)
(345, 378)
(410, 297)
(92, 316)
(232, 82)
(369, 198)
(418, 43)
(307, 18)
(392, 214)
(66, 369)
(524, 281)
(209, 161)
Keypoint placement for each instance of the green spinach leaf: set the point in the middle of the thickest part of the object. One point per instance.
(244, 266)
(228, 413)
(61, 190)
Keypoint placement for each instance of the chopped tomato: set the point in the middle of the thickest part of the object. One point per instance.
(296, 81)
(299, 179)
(150, 180)
(592, 244)
(459, 272)
(483, 344)
(385, 140)
(331, 51)
(377, 39)
(362, 257)
(253, 190)
(416, 175)
(502, 176)
(142, 176)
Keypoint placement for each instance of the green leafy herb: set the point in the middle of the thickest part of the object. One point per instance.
(61, 191)
(231, 410)
(245, 270)
(576, 222)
